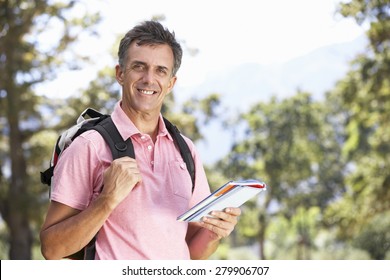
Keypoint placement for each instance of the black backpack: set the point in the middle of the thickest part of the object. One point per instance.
(119, 148)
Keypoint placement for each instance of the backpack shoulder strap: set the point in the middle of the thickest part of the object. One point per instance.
(119, 148)
(183, 148)
(111, 135)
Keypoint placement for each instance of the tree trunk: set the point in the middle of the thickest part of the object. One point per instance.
(261, 234)
(263, 220)
(18, 224)
(16, 215)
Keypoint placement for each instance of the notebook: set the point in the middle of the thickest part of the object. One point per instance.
(231, 194)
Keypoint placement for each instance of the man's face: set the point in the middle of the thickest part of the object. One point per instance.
(147, 78)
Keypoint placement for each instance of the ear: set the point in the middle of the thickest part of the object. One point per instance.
(172, 82)
(119, 74)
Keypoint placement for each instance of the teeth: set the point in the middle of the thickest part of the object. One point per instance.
(148, 92)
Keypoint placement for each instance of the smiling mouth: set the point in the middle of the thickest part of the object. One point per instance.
(147, 92)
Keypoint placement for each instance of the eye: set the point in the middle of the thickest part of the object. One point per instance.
(138, 67)
(162, 71)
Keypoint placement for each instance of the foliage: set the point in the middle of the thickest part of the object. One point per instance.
(332, 154)
(364, 99)
(25, 62)
(292, 146)
(375, 237)
(294, 238)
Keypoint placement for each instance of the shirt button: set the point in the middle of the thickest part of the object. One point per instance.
(149, 147)
(143, 137)
(183, 166)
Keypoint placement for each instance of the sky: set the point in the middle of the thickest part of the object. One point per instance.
(225, 33)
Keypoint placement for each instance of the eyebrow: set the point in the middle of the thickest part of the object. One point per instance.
(163, 68)
(145, 64)
(137, 62)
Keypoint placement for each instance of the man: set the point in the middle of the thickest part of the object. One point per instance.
(132, 205)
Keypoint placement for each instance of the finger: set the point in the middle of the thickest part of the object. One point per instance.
(222, 224)
(125, 158)
(220, 228)
(125, 164)
(225, 215)
(235, 211)
(125, 161)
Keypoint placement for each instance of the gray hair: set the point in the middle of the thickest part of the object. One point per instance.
(150, 33)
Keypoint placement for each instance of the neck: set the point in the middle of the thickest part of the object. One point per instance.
(147, 123)
(147, 126)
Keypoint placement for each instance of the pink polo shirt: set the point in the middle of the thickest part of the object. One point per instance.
(144, 225)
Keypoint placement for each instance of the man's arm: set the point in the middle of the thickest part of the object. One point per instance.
(203, 237)
(67, 230)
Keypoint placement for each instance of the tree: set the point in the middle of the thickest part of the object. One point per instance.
(294, 238)
(292, 146)
(25, 62)
(364, 101)
(375, 237)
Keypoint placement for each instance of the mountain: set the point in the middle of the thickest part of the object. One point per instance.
(246, 84)
(315, 72)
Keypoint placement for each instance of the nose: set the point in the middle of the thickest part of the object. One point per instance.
(147, 77)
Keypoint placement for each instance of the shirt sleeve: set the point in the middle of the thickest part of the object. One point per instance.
(78, 173)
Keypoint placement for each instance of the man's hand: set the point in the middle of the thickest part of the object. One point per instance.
(222, 223)
(120, 178)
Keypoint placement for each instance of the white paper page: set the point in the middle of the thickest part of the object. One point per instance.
(234, 198)
(203, 203)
